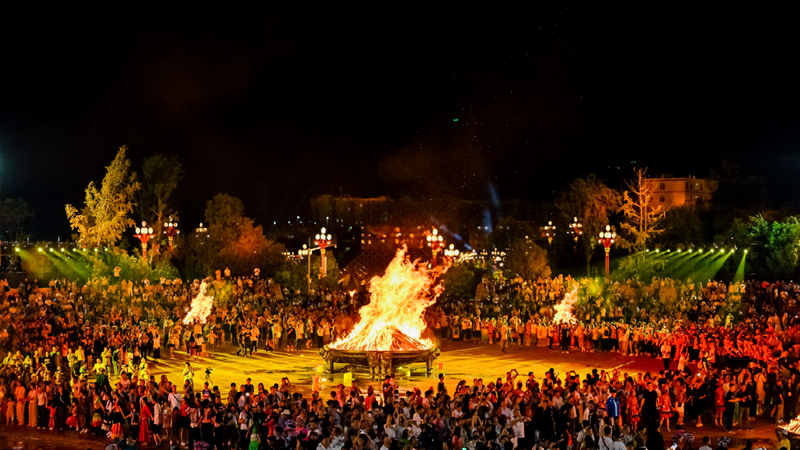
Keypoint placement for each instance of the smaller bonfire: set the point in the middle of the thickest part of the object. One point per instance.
(201, 306)
(390, 327)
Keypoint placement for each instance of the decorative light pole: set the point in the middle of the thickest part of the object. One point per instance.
(451, 252)
(577, 230)
(305, 251)
(436, 243)
(201, 229)
(607, 238)
(323, 241)
(171, 231)
(498, 257)
(549, 231)
(143, 234)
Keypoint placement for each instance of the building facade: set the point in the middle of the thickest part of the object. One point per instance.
(680, 191)
(344, 210)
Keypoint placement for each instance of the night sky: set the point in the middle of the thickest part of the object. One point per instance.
(275, 109)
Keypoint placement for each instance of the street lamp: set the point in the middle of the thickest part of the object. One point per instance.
(451, 252)
(201, 229)
(305, 251)
(143, 234)
(171, 231)
(323, 240)
(607, 238)
(436, 243)
(577, 230)
(549, 231)
(498, 257)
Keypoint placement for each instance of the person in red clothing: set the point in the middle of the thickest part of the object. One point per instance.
(145, 415)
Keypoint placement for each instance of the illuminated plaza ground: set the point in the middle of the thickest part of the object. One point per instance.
(460, 361)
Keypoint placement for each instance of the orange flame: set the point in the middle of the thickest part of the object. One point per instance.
(392, 320)
(564, 308)
(201, 306)
(793, 426)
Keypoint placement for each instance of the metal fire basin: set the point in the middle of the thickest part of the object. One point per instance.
(379, 362)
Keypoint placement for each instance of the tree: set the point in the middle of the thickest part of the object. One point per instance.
(527, 260)
(682, 226)
(461, 279)
(232, 241)
(105, 216)
(160, 175)
(249, 249)
(224, 214)
(590, 200)
(641, 218)
(13, 213)
(775, 247)
(331, 271)
(292, 275)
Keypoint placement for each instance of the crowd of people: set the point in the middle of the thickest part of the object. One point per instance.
(78, 356)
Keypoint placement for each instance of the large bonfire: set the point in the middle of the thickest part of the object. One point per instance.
(564, 307)
(392, 320)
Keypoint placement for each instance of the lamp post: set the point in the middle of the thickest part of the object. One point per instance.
(549, 231)
(577, 230)
(451, 252)
(305, 251)
(323, 240)
(607, 238)
(143, 234)
(498, 257)
(436, 243)
(171, 231)
(201, 229)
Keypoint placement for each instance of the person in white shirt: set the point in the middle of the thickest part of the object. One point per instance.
(337, 440)
(389, 428)
(158, 414)
(417, 419)
(706, 441)
(586, 431)
(387, 443)
(325, 444)
(605, 442)
(518, 427)
(174, 398)
(558, 401)
(617, 444)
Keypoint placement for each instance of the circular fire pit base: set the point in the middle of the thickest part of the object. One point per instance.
(379, 363)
